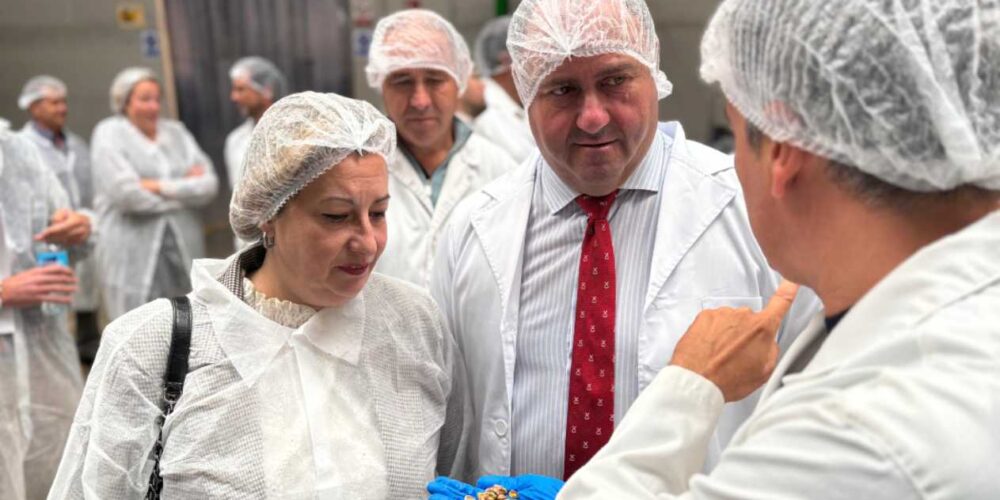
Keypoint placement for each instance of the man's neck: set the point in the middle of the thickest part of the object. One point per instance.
(861, 246)
(430, 158)
(506, 82)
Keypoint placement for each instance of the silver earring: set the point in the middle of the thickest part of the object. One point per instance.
(268, 240)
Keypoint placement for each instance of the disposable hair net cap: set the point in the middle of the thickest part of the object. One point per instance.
(904, 91)
(544, 33)
(490, 49)
(262, 75)
(298, 139)
(123, 84)
(417, 38)
(38, 88)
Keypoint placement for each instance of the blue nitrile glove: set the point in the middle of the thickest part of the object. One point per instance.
(446, 488)
(528, 486)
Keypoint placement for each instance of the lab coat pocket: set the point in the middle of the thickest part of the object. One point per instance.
(666, 322)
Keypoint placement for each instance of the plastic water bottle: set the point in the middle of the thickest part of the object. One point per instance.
(47, 254)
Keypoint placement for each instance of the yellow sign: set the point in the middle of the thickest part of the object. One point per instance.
(130, 16)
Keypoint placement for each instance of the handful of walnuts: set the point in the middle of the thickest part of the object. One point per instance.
(495, 492)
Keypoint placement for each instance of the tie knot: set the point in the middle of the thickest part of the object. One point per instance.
(597, 207)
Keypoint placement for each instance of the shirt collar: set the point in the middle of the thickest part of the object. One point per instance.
(647, 177)
(46, 133)
(460, 133)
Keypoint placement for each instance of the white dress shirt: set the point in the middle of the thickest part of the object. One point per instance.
(548, 300)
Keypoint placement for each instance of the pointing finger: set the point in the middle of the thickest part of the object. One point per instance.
(781, 302)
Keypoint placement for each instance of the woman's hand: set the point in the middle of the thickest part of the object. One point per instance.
(196, 170)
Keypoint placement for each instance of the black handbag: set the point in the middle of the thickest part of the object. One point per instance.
(173, 382)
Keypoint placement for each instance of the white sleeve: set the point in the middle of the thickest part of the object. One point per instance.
(804, 452)
(193, 191)
(119, 183)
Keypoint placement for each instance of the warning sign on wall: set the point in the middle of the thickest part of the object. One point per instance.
(130, 15)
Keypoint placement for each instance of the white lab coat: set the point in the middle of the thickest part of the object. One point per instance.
(414, 224)
(39, 364)
(361, 401)
(73, 171)
(132, 220)
(235, 150)
(902, 401)
(704, 257)
(505, 122)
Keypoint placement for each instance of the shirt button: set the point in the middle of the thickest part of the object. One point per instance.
(500, 427)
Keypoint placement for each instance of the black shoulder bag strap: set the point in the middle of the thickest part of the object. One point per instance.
(173, 381)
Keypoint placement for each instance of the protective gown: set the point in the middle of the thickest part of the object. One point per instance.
(361, 401)
(147, 240)
(39, 367)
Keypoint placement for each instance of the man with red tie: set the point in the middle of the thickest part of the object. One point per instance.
(568, 282)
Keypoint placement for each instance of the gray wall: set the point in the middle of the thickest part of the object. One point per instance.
(78, 41)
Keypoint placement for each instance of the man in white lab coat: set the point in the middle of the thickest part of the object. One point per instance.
(44, 97)
(504, 121)
(256, 84)
(876, 181)
(562, 325)
(39, 365)
(421, 65)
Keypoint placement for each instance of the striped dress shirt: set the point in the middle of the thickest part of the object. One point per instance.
(548, 300)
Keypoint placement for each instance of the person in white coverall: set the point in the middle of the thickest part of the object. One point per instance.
(516, 271)
(876, 181)
(152, 176)
(504, 121)
(256, 84)
(420, 64)
(45, 99)
(39, 364)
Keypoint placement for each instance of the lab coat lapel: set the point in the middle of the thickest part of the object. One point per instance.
(500, 227)
(464, 166)
(690, 200)
(815, 328)
(406, 174)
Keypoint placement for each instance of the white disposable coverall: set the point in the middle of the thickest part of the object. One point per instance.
(362, 401)
(414, 223)
(133, 221)
(705, 256)
(39, 365)
(505, 122)
(901, 401)
(72, 168)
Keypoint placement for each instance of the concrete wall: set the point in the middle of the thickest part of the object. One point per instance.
(78, 41)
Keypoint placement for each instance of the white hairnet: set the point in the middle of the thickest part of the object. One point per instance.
(906, 91)
(544, 33)
(298, 139)
(123, 84)
(417, 38)
(38, 88)
(490, 49)
(262, 75)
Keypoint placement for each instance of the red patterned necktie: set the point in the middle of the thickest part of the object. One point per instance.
(591, 414)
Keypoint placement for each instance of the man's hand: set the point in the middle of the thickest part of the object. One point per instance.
(196, 170)
(67, 228)
(735, 349)
(151, 185)
(53, 283)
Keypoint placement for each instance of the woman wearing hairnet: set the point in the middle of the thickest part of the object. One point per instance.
(152, 174)
(310, 377)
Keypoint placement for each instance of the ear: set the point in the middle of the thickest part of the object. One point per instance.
(786, 166)
(267, 227)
